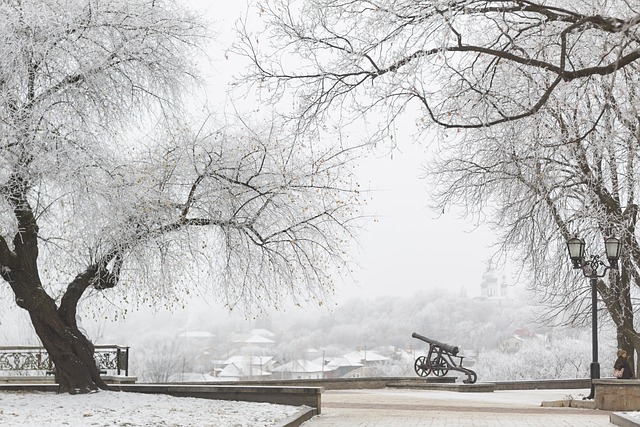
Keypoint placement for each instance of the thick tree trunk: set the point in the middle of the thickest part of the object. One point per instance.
(70, 351)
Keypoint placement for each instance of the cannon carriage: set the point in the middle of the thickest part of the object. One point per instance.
(440, 360)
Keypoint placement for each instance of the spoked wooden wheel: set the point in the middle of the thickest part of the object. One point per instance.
(439, 367)
(422, 367)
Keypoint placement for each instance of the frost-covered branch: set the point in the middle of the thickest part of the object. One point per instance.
(471, 64)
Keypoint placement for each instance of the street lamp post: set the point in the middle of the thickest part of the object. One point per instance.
(593, 268)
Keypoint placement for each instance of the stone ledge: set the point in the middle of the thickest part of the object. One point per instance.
(623, 420)
(569, 403)
(467, 388)
(617, 395)
(574, 383)
(41, 387)
(26, 379)
(413, 382)
(49, 379)
(119, 379)
(294, 396)
(300, 417)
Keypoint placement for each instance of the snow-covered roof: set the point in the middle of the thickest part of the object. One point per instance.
(302, 365)
(231, 370)
(263, 333)
(254, 339)
(366, 356)
(239, 370)
(258, 339)
(336, 362)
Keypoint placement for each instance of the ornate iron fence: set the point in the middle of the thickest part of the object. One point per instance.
(24, 359)
(113, 357)
(18, 359)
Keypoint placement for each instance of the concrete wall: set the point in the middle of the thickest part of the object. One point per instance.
(617, 395)
(544, 384)
(294, 396)
(421, 382)
(50, 379)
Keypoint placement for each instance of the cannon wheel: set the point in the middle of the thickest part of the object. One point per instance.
(439, 367)
(422, 367)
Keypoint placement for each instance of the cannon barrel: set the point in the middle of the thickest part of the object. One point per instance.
(446, 347)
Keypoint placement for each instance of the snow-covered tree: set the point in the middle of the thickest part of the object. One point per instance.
(567, 355)
(535, 101)
(545, 187)
(103, 185)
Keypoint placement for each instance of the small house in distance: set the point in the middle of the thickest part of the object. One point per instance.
(238, 368)
(366, 357)
(337, 367)
(301, 369)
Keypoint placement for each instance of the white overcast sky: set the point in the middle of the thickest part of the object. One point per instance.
(408, 248)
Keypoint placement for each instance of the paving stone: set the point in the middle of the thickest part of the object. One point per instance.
(423, 408)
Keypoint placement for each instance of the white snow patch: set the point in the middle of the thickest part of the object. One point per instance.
(109, 408)
(635, 415)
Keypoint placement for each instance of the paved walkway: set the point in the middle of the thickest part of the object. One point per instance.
(418, 408)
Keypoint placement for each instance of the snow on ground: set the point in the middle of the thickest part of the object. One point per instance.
(634, 415)
(109, 408)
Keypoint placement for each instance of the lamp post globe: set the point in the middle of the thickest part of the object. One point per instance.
(612, 247)
(576, 251)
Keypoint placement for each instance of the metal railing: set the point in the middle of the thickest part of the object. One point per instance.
(23, 359)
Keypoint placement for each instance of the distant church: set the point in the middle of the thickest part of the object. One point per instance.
(490, 288)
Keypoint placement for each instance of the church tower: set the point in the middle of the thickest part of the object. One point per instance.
(490, 288)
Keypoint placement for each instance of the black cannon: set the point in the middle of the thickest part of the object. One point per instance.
(439, 361)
